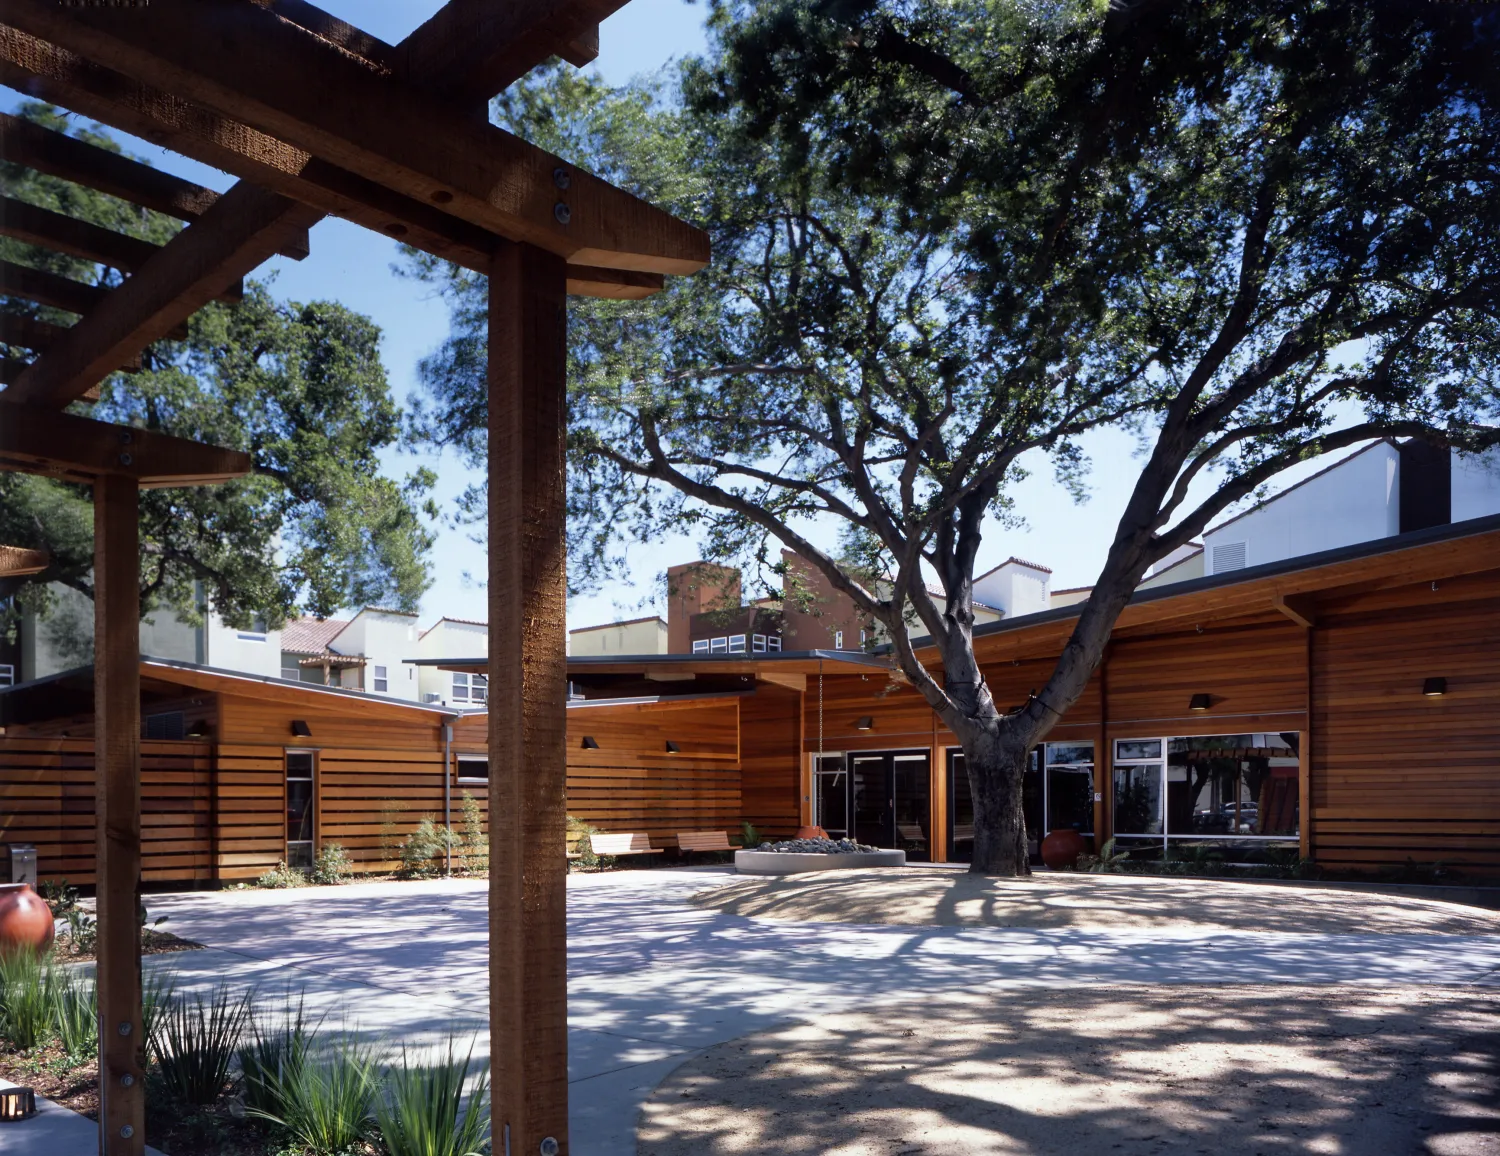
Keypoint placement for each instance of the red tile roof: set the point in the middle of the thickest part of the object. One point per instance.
(311, 635)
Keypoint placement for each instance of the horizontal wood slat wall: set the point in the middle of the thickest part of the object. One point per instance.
(47, 787)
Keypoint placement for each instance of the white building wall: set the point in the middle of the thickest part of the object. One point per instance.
(447, 639)
(1357, 500)
(648, 637)
(385, 639)
(1015, 588)
(1476, 485)
(249, 651)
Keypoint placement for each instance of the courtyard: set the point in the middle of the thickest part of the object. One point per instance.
(711, 1014)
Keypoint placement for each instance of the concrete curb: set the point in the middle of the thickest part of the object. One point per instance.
(797, 862)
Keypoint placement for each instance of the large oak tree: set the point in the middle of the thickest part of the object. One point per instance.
(952, 236)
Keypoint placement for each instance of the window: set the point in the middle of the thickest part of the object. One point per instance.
(1137, 787)
(299, 809)
(757, 643)
(460, 688)
(7, 674)
(168, 725)
(432, 696)
(292, 673)
(736, 644)
(382, 682)
(479, 687)
(256, 633)
(1229, 556)
(1068, 787)
(838, 640)
(700, 646)
(861, 638)
(773, 644)
(718, 645)
(473, 769)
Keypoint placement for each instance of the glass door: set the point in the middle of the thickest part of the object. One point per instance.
(299, 809)
(871, 800)
(831, 795)
(911, 804)
(891, 802)
(961, 808)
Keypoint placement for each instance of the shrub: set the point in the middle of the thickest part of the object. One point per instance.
(424, 1111)
(421, 850)
(749, 836)
(392, 813)
(282, 876)
(270, 1054)
(75, 1014)
(323, 1097)
(1107, 862)
(332, 865)
(83, 931)
(28, 998)
(194, 1039)
(476, 847)
(585, 845)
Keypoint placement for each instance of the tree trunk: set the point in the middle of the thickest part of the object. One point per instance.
(995, 768)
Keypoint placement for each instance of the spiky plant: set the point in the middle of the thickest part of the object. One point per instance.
(425, 1111)
(322, 1099)
(194, 1039)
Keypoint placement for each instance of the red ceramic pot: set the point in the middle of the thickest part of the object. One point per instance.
(1061, 848)
(25, 920)
(811, 833)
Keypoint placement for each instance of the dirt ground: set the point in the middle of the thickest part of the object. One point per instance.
(1088, 902)
(1123, 1071)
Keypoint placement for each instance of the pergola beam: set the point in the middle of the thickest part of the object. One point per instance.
(469, 50)
(24, 143)
(19, 562)
(39, 336)
(81, 449)
(304, 91)
(242, 229)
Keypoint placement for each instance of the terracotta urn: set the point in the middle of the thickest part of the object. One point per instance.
(811, 833)
(25, 920)
(1061, 848)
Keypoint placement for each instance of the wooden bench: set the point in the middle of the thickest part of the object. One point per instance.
(617, 844)
(703, 841)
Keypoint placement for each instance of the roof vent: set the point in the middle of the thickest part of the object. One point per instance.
(1229, 556)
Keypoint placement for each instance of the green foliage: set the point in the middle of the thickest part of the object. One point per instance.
(332, 865)
(425, 1112)
(270, 1053)
(475, 843)
(300, 386)
(281, 876)
(28, 998)
(1107, 862)
(193, 1039)
(584, 846)
(422, 852)
(749, 836)
(323, 1098)
(75, 1015)
(158, 986)
(392, 814)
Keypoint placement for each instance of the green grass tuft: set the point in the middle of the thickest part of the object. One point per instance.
(425, 1111)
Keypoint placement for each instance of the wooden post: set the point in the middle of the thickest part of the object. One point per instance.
(1103, 777)
(937, 796)
(1304, 759)
(117, 809)
(527, 701)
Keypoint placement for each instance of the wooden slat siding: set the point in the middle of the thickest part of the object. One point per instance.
(250, 800)
(770, 759)
(701, 728)
(354, 788)
(47, 787)
(1397, 775)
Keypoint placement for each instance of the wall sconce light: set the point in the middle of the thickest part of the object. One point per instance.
(590, 743)
(301, 729)
(673, 748)
(199, 730)
(865, 724)
(1200, 702)
(1435, 687)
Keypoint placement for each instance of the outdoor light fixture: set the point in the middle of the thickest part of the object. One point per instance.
(590, 743)
(301, 729)
(1435, 687)
(673, 748)
(1200, 702)
(865, 724)
(198, 730)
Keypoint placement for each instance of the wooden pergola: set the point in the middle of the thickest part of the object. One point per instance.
(316, 117)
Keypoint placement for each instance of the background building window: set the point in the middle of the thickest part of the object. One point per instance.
(773, 643)
(256, 633)
(7, 674)
(479, 687)
(718, 645)
(460, 688)
(382, 682)
(700, 646)
(473, 769)
(838, 640)
(736, 644)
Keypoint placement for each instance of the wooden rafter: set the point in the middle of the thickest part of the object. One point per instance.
(19, 562)
(40, 336)
(307, 93)
(242, 229)
(79, 449)
(57, 154)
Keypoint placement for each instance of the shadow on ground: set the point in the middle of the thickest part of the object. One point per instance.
(1232, 1071)
(1094, 902)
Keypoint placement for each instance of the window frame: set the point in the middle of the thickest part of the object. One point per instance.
(380, 679)
(459, 683)
(700, 646)
(7, 674)
(459, 777)
(312, 779)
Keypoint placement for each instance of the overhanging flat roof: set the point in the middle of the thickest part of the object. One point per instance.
(784, 662)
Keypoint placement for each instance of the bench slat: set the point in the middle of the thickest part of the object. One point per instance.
(622, 843)
(703, 841)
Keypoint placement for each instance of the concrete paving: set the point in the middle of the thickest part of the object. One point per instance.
(653, 979)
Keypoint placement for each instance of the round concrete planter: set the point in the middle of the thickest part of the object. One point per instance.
(796, 862)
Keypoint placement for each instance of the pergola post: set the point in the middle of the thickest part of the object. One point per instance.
(117, 811)
(527, 701)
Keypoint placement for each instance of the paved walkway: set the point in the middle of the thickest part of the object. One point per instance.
(654, 979)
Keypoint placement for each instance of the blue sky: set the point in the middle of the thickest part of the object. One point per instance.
(354, 266)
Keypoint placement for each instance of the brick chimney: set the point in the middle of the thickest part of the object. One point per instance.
(693, 588)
